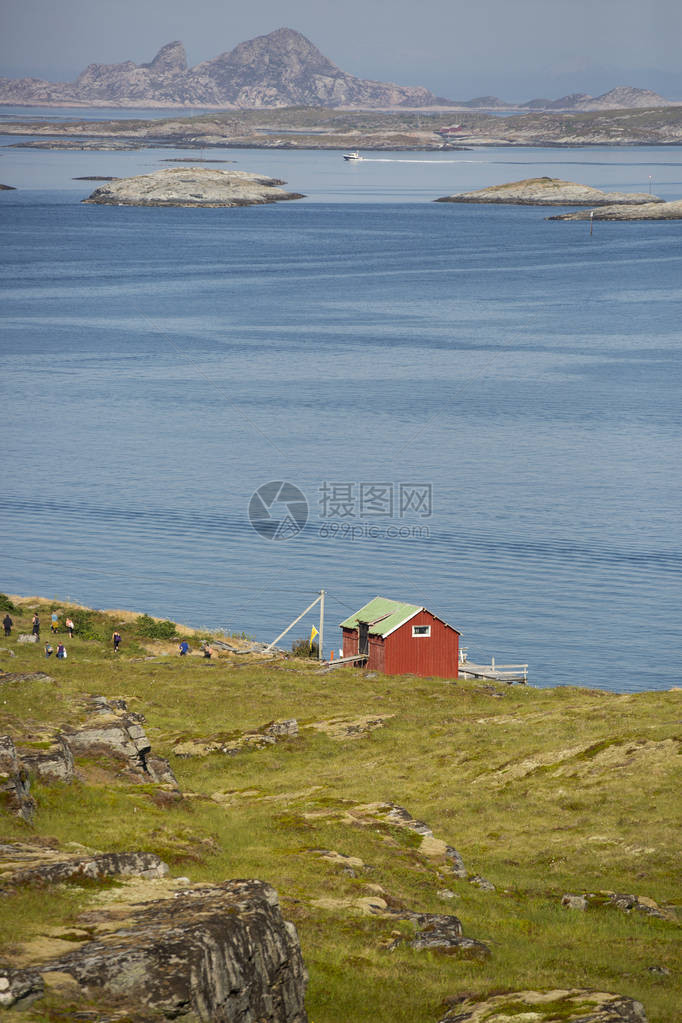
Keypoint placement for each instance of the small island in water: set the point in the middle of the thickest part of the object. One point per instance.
(550, 192)
(655, 210)
(192, 186)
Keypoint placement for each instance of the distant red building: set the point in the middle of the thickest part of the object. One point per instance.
(401, 639)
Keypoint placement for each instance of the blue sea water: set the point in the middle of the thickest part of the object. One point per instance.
(519, 377)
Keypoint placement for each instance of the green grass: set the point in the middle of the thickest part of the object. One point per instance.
(542, 792)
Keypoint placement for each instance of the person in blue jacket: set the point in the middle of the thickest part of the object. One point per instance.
(184, 648)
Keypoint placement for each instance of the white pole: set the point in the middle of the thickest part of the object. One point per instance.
(320, 653)
(295, 621)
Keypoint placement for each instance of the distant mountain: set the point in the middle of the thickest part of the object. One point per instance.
(282, 69)
(276, 70)
(621, 98)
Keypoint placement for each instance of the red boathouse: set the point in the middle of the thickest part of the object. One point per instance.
(401, 639)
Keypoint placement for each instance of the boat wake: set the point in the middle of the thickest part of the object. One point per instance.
(384, 159)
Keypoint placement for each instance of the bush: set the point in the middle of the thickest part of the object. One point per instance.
(85, 625)
(149, 628)
(7, 605)
(304, 648)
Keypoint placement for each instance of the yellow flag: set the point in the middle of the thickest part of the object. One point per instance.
(313, 632)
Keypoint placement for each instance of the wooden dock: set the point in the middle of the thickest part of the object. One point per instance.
(339, 662)
(494, 672)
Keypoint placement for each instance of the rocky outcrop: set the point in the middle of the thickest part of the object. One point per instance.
(439, 932)
(280, 69)
(246, 742)
(115, 732)
(51, 760)
(651, 210)
(432, 848)
(191, 186)
(350, 728)
(214, 953)
(569, 1006)
(7, 188)
(618, 900)
(15, 788)
(22, 864)
(549, 192)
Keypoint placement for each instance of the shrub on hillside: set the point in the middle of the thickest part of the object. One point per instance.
(87, 626)
(7, 605)
(149, 628)
(304, 648)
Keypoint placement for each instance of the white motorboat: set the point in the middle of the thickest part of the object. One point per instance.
(352, 156)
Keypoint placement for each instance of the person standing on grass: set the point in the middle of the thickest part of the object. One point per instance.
(117, 640)
(184, 648)
(54, 623)
(69, 627)
(35, 625)
(7, 623)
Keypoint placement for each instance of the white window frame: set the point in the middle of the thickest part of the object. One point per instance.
(421, 635)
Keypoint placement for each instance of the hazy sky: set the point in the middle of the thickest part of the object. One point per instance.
(513, 48)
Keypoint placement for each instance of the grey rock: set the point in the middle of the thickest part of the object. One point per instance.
(480, 882)
(18, 988)
(623, 901)
(663, 971)
(15, 788)
(574, 902)
(29, 865)
(114, 731)
(221, 953)
(463, 948)
(27, 637)
(283, 728)
(440, 932)
(571, 1006)
(456, 862)
(399, 815)
(161, 771)
(54, 763)
(23, 676)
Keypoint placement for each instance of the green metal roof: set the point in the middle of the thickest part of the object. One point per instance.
(391, 612)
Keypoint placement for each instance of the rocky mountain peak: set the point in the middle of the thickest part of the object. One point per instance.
(282, 48)
(170, 59)
(627, 96)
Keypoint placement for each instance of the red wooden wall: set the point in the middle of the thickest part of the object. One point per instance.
(401, 653)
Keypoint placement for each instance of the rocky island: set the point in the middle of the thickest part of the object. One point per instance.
(191, 186)
(550, 192)
(657, 210)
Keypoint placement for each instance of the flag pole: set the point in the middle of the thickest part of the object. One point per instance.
(320, 652)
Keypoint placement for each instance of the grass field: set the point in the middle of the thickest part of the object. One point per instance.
(542, 791)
